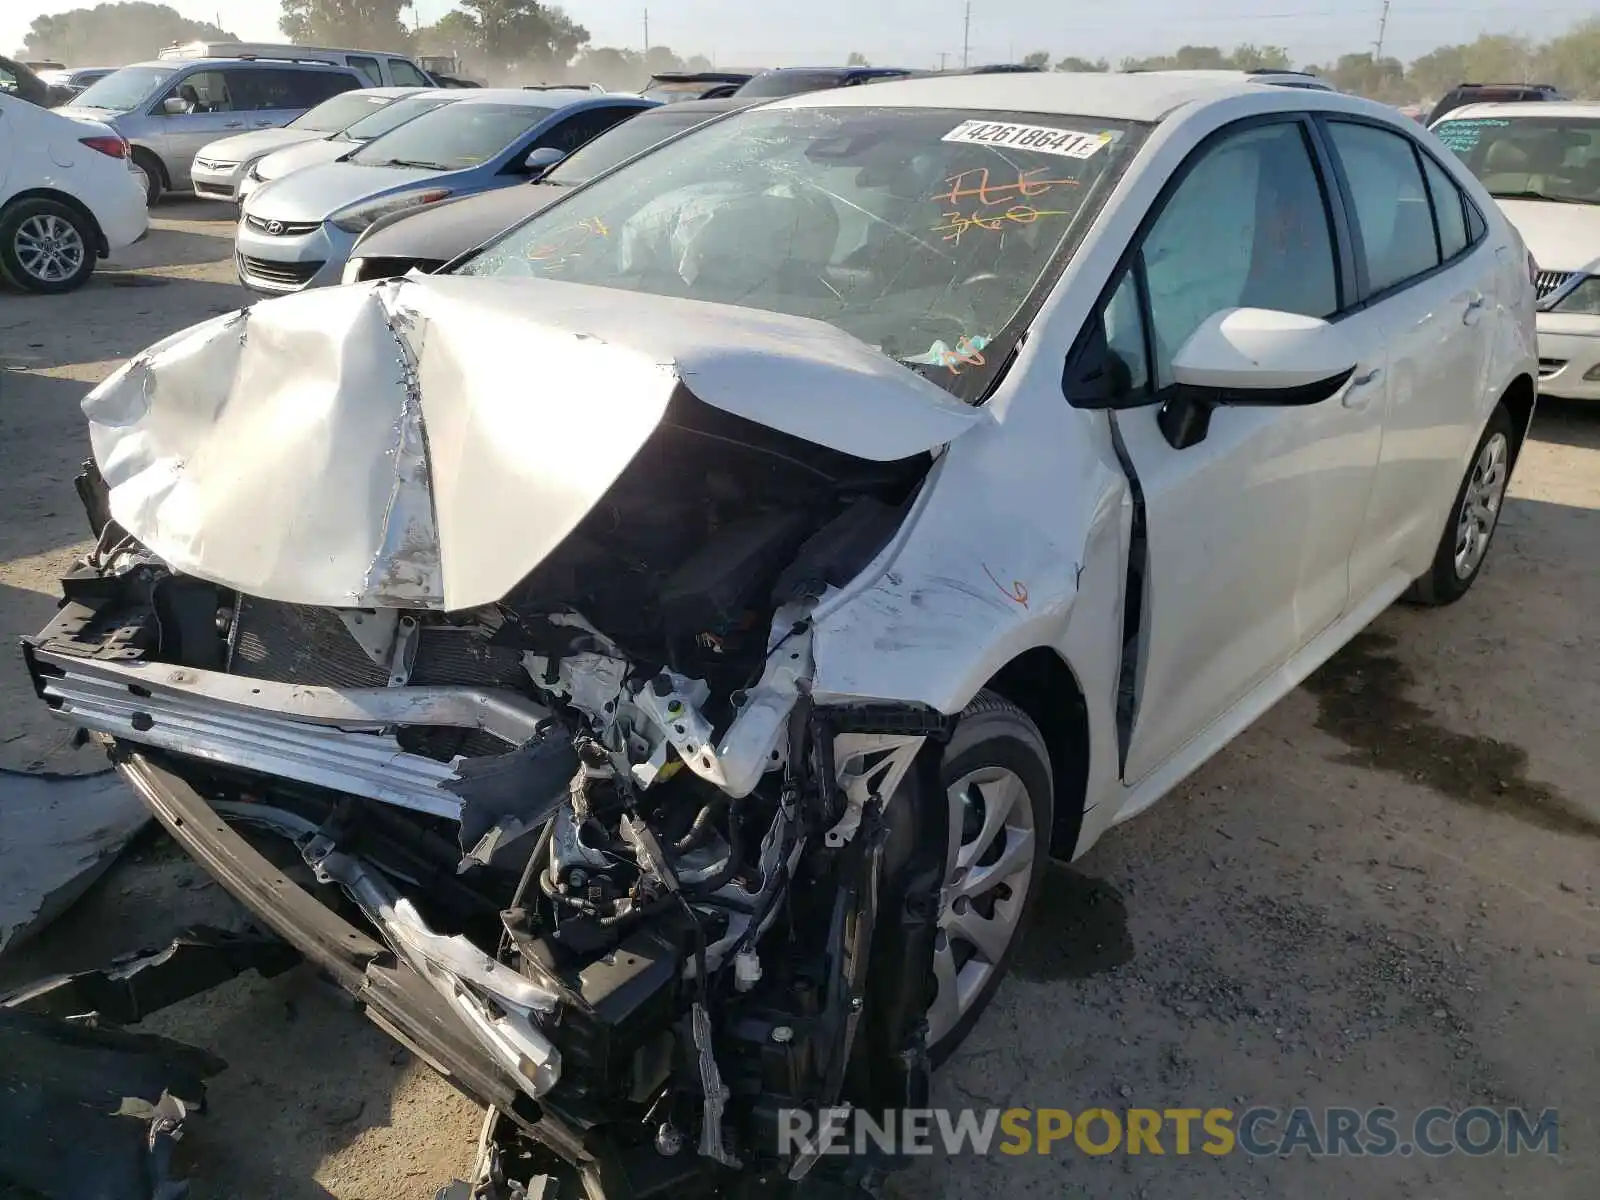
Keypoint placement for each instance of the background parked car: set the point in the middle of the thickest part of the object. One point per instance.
(376, 68)
(1491, 93)
(425, 239)
(221, 166)
(792, 81)
(1541, 163)
(169, 109)
(23, 82)
(297, 231)
(347, 141)
(75, 79)
(674, 87)
(67, 197)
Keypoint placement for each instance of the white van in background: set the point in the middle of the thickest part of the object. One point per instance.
(378, 68)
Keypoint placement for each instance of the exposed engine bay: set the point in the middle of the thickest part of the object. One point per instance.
(602, 817)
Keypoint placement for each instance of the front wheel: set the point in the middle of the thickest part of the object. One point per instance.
(1474, 517)
(999, 801)
(46, 246)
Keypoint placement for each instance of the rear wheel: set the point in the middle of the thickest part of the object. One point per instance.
(46, 246)
(1473, 518)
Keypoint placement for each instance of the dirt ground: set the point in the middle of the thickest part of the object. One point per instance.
(1386, 893)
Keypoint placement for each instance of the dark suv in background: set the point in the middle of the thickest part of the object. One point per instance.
(1491, 93)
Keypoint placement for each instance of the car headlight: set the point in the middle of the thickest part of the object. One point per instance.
(1585, 298)
(358, 217)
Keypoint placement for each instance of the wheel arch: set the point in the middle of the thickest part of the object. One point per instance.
(1041, 684)
(139, 148)
(101, 248)
(1520, 397)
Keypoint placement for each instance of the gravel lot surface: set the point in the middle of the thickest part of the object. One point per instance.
(1386, 893)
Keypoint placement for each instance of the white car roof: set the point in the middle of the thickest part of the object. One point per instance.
(554, 98)
(1137, 96)
(1527, 108)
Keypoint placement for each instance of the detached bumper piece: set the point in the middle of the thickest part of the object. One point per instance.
(92, 1112)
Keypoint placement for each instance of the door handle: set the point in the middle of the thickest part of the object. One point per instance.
(233, 124)
(1356, 396)
(1474, 309)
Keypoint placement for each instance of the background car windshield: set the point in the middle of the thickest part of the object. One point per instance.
(787, 83)
(923, 232)
(620, 143)
(1556, 158)
(669, 93)
(340, 112)
(123, 90)
(453, 136)
(392, 116)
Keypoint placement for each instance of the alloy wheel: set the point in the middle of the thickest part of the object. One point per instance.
(1480, 505)
(49, 248)
(988, 869)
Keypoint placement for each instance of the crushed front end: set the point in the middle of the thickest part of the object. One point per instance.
(590, 850)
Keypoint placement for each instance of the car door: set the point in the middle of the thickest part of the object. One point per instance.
(1429, 283)
(270, 97)
(210, 116)
(11, 143)
(1247, 531)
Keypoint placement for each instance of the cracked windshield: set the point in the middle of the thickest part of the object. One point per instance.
(923, 232)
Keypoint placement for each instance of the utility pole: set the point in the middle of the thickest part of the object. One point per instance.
(1383, 24)
(966, 37)
(943, 54)
(647, 31)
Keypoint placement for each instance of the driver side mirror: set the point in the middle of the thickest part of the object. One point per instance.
(175, 106)
(541, 159)
(1253, 356)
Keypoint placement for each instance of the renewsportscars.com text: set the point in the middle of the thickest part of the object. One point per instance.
(1257, 1132)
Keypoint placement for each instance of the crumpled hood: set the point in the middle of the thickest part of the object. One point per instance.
(1561, 237)
(426, 442)
(244, 146)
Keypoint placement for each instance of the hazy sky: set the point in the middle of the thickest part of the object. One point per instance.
(915, 32)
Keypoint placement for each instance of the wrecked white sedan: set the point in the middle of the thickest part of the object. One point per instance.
(653, 659)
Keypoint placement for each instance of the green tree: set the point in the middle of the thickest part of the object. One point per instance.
(526, 33)
(369, 24)
(109, 34)
(1572, 61)
(857, 59)
(455, 32)
(610, 67)
(1039, 59)
(1249, 57)
(1073, 63)
(1378, 79)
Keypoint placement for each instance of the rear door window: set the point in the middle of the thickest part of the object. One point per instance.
(1449, 209)
(407, 75)
(367, 68)
(1394, 221)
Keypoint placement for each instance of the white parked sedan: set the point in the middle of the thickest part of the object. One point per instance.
(68, 196)
(1541, 163)
(685, 627)
(221, 166)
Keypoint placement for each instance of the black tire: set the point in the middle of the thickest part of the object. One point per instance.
(993, 732)
(1444, 583)
(154, 183)
(21, 224)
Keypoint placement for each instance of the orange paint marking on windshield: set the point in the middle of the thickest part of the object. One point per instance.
(957, 223)
(975, 185)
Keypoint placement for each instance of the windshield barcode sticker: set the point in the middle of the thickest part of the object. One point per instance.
(1068, 143)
